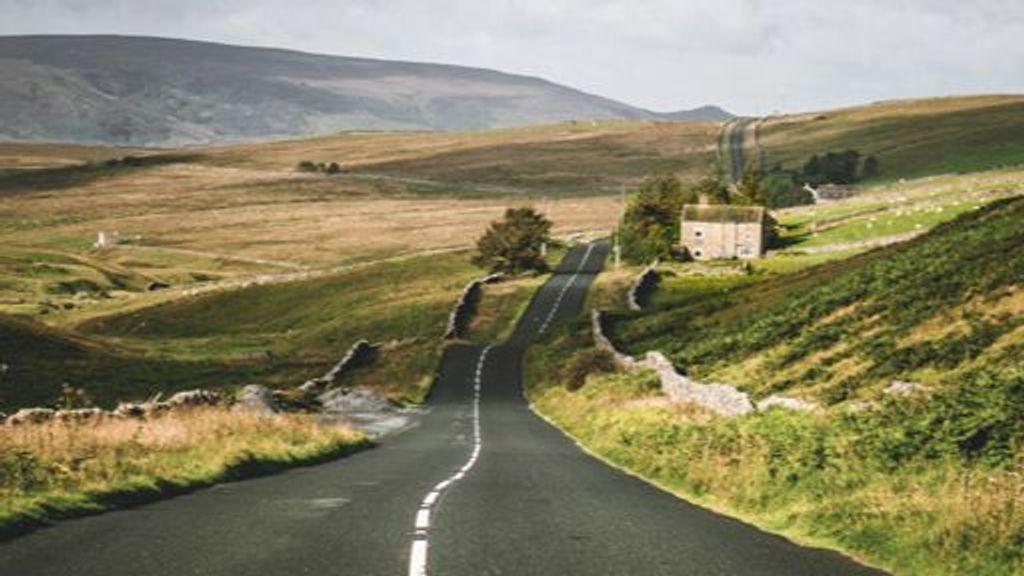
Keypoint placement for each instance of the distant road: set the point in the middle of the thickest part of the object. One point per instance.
(731, 145)
(481, 486)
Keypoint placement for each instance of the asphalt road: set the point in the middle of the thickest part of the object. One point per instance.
(733, 140)
(481, 486)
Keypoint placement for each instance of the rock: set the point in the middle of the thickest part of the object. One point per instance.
(130, 410)
(358, 400)
(193, 398)
(903, 388)
(79, 415)
(786, 403)
(31, 416)
(157, 285)
(258, 399)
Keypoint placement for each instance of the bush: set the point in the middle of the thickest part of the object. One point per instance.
(584, 363)
(514, 244)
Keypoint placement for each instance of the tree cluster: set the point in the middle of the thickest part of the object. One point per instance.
(844, 167)
(515, 244)
(322, 167)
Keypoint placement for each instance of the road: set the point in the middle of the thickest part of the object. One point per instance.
(481, 486)
(733, 147)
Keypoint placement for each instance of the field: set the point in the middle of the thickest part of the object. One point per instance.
(911, 138)
(228, 265)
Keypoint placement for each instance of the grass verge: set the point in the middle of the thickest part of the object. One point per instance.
(60, 470)
(897, 485)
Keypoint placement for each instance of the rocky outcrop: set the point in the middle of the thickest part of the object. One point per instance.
(903, 388)
(786, 403)
(194, 398)
(258, 399)
(642, 287)
(461, 315)
(721, 399)
(360, 353)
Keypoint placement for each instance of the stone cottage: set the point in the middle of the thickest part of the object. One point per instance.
(710, 232)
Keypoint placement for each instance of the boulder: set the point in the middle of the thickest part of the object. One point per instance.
(786, 403)
(258, 399)
(193, 398)
(903, 388)
(354, 400)
(130, 410)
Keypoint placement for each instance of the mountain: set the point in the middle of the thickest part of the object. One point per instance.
(702, 114)
(158, 91)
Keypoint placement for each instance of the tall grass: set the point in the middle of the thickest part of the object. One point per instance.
(59, 469)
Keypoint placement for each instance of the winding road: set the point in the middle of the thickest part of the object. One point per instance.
(480, 486)
(731, 144)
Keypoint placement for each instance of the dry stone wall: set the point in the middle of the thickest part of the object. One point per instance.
(721, 399)
(460, 316)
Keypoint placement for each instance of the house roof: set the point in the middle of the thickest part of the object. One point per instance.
(722, 213)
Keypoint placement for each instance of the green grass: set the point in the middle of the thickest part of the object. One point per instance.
(922, 485)
(837, 481)
(910, 138)
(278, 334)
(921, 311)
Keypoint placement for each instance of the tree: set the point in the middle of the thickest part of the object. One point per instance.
(871, 168)
(513, 245)
(750, 186)
(713, 189)
(333, 168)
(650, 225)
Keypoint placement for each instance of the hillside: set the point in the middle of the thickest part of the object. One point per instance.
(911, 138)
(156, 91)
(920, 478)
(926, 311)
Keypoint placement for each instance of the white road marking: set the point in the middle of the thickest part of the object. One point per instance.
(420, 542)
(558, 302)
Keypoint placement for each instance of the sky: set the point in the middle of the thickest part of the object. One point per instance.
(748, 56)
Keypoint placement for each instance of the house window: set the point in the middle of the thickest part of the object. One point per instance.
(697, 253)
(698, 233)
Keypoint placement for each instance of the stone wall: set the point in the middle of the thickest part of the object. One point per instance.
(458, 320)
(642, 287)
(721, 399)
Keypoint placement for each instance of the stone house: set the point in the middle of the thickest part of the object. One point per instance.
(711, 232)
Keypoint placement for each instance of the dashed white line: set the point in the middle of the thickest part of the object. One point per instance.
(558, 302)
(420, 542)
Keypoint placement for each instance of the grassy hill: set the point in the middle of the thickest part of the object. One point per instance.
(947, 302)
(911, 138)
(926, 483)
(278, 334)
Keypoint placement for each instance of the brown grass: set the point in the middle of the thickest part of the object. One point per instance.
(62, 468)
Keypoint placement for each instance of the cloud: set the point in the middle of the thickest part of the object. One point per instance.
(748, 55)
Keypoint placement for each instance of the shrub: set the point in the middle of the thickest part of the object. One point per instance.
(584, 363)
(514, 244)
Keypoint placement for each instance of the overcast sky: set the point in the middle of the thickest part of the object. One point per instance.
(749, 56)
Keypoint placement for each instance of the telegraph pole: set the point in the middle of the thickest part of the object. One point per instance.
(617, 232)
